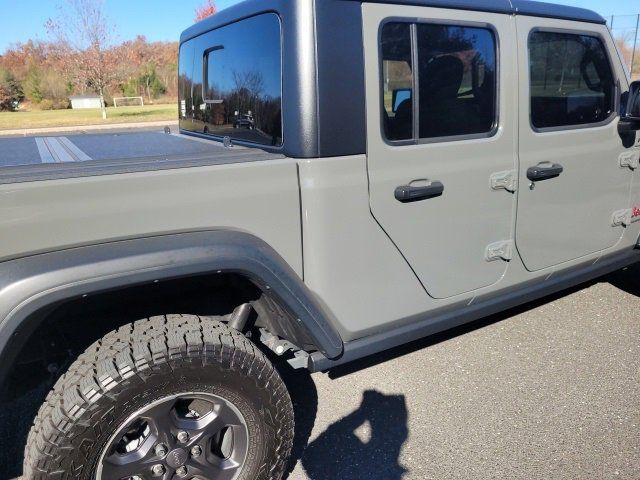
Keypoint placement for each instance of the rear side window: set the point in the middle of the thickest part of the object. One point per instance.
(455, 81)
(571, 80)
(234, 88)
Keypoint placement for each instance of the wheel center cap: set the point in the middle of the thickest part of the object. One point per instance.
(176, 458)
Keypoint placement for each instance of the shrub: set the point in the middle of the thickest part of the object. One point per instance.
(61, 104)
(46, 104)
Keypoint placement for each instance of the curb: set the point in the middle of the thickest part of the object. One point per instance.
(86, 128)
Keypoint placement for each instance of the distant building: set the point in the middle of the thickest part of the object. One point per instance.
(85, 101)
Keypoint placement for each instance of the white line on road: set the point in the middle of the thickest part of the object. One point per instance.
(79, 154)
(45, 154)
(59, 150)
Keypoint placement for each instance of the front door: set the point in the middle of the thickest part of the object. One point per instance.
(571, 181)
(441, 122)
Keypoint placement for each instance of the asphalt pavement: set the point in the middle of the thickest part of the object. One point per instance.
(550, 390)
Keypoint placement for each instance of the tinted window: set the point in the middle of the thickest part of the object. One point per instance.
(571, 80)
(457, 80)
(397, 81)
(237, 81)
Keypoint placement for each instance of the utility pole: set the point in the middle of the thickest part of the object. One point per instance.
(635, 45)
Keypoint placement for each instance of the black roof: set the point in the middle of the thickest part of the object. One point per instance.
(512, 7)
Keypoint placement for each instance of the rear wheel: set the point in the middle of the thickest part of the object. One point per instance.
(175, 397)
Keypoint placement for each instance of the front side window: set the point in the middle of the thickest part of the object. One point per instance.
(456, 81)
(243, 81)
(571, 81)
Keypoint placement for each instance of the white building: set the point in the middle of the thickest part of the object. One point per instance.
(85, 101)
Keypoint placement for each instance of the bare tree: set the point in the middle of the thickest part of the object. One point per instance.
(249, 87)
(83, 31)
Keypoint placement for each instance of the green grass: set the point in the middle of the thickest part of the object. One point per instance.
(66, 118)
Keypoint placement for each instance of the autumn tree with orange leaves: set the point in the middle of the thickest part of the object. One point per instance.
(206, 10)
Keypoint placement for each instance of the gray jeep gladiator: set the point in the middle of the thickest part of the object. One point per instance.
(411, 166)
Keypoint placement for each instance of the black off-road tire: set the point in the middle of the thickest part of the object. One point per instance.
(148, 360)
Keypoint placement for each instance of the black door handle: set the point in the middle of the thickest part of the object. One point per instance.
(544, 172)
(411, 193)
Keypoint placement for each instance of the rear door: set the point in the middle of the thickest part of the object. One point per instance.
(441, 123)
(571, 181)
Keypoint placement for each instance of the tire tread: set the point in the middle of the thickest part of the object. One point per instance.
(131, 350)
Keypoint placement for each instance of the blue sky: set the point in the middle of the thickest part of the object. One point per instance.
(165, 19)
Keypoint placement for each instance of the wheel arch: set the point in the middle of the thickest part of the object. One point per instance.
(31, 286)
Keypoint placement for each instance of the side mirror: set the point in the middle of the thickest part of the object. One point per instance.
(399, 96)
(630, 115)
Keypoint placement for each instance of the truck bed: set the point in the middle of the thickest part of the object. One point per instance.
(24, 159)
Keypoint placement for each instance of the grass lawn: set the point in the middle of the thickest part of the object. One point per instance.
(65, 118)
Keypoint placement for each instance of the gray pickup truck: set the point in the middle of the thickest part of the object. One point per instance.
(408, 166)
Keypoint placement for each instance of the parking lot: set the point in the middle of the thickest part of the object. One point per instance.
(550, 390)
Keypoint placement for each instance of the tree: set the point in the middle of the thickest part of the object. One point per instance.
(6, 99)
(206, 10)
(33, 87)
(85, 37)
(10, 91)
(152, 85)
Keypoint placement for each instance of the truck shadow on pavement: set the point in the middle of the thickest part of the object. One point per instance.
(627, 280)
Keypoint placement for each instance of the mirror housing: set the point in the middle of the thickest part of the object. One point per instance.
(630, 115)
(399, 96)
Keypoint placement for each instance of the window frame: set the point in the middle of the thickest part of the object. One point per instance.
(414, 22)
(616, 80)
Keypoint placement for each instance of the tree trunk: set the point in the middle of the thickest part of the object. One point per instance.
(103, 106)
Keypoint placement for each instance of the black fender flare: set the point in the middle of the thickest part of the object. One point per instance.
(30, 284)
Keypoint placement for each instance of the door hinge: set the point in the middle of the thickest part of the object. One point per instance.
(502, 250)
(622, 218)
(507, 180)
(630, 160)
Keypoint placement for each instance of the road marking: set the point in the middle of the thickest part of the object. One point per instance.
(45, 154)
(79, 154)
(59, 150)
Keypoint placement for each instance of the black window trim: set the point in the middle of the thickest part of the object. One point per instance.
(234, 141)
(413, 22)
(616, 81)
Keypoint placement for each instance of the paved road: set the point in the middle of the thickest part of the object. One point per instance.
(548, 391)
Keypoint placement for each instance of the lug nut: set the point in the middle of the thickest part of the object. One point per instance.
(182, 471)
(161, 450)
(157, 470)
(183, 437)
(196, 451)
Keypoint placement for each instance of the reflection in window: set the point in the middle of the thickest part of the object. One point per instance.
(237, 81)
(571, 80)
